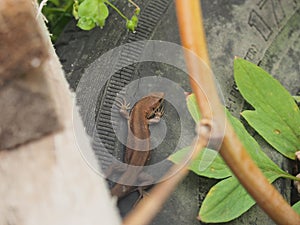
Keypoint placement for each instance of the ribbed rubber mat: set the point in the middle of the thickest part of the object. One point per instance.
(148, 20)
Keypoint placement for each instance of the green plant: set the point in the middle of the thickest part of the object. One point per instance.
(276, 118)
(92, 13)
(58, 13)
(89, 13)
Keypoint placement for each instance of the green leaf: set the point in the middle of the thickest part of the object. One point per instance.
(296, 207)
(215, 207)
(94, 10)
(208, 163)
(276, 116)
(101, 23)
(75, 9)
(137, 11)
(102, 14)
(130, 25)
(135, 19)
(225, 201)
(58, 14)
(88, 8)
(252, 147)
(86, 23)
(55, 2)
(193, 107)
(228, 192)
(297, 98)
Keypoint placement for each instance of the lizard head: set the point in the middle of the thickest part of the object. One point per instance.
(154, 103)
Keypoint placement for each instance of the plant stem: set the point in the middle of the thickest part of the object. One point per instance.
(291, 177)
(53, 10)
(133, 3)
(116, 9)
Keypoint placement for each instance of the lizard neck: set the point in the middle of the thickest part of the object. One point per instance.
(138, 123)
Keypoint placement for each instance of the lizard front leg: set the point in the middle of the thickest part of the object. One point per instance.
(123, 108)
(157, 116)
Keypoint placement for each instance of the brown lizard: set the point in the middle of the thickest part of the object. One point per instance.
(147, 110)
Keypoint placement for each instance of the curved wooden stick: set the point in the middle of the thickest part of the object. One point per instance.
(267, 197)
(233, 152)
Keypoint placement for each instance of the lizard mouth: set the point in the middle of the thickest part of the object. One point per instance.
(158, 111)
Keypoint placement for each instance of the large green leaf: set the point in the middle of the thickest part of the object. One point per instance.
(208, 163)
(276, 116)
(226, 200)
(253, 148)
(296, 207)
(193, 107)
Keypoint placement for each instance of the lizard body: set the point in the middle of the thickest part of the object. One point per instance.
(147, 110)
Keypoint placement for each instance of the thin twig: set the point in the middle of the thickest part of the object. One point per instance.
(116, 9)
(134, 4)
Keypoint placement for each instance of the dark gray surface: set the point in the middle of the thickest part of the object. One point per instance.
(263, 31)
